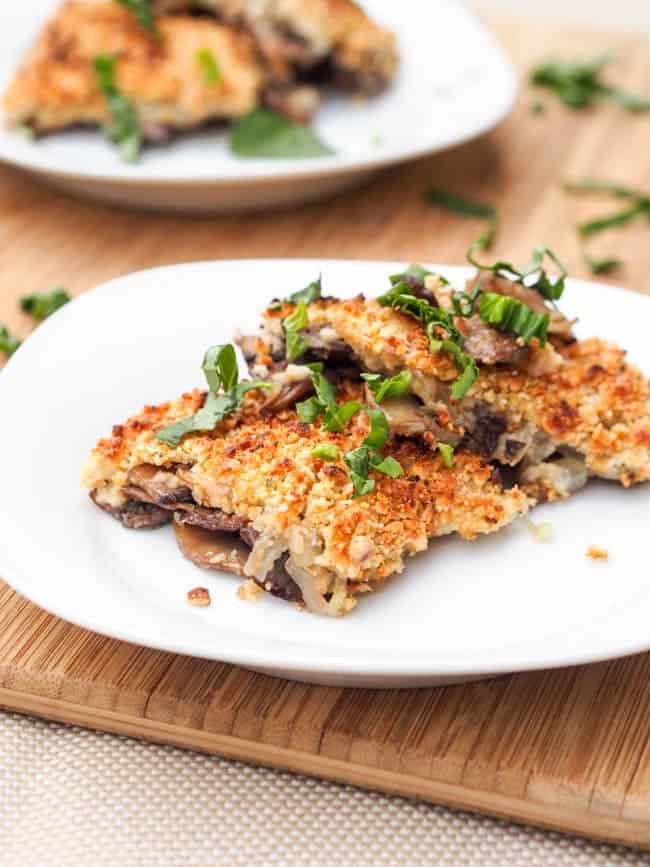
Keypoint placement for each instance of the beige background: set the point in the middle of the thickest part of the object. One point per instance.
(624, 14)
(75, 798)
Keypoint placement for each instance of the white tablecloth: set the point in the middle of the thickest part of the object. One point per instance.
(75, 798)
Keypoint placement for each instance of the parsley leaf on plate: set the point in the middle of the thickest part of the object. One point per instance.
(462, 207)
(266, 134)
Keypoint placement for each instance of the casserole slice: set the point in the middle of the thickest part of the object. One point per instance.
(286, 503)
(556, 414)
(160, 81)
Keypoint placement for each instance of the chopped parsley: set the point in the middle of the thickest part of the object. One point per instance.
(466, 208)
(441, 331)
(509, 314)
(415, 273)
(8, 343)
(384, 389)
(447, 453)
(335, 417)
(368, 458)
(312, 292)
(143, 12)
(326, 451)
(124, 128)
(222, 374)
(463, 302)
(579, 85)
(264, 133)
(550, 290)
(210, 69)
(296, 345)
(40, 305)
(638, 206)
(295, 322)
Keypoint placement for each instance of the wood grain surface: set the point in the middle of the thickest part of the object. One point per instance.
(567, 749)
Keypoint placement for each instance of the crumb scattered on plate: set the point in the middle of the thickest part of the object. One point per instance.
(539, 532)
(249, 591)
(199, 596)
(595, 552)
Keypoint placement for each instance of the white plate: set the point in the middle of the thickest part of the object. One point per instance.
(501, 603)
(454, 83)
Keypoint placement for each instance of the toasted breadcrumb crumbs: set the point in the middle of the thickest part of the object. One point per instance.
(199, 596)
(249, 591)
(539, 532)
(595, 552)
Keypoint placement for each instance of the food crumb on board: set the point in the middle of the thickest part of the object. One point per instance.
(595, 552)
(199, 596)
(249, 591)
(539, 532)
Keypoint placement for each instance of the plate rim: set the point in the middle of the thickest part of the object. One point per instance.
(281, 171)
(360, 669)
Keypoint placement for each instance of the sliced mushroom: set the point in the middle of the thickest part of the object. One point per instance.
(213, 520)
(288, 395)
(133, 515)
(407, 417)
(150, 484)
(227, 552)
(297, 102)
(487, 345)
(552, 479)
(211, 549)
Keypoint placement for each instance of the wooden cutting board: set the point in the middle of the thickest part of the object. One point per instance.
(567, 749)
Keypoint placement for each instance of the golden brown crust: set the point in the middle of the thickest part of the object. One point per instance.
(585, 396)
(306, 32)
(262, 468)
(57, 85)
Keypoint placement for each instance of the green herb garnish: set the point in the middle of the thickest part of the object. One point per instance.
(579, 85)
(295, 322)
(142, 11)
(221, 372)
(384, 389)
(465, 208)
(415, 272)
(326, 451)
(463, 302)
(209, 66)
(447, 453)
(8, 343)
(367, 457)
(549, 289)
(40, 305)
(639, 205)
(441, 331)
(508, 314)
(266, 134)
(335, 416)
(124, 127)
(537, 107)
(312, 292)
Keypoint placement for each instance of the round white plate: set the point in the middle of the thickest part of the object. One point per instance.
(462, 609)
(454, 83)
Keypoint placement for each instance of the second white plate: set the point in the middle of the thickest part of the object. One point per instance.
(460, 610)
(454, 83)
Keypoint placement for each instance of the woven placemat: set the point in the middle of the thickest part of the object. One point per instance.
(76, 798)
